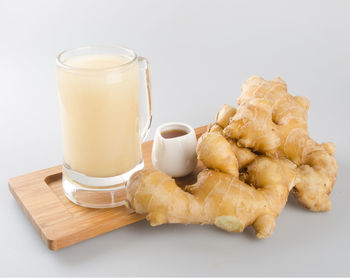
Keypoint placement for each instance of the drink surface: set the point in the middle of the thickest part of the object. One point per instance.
(100, 114)
(97, 61)
(172, 133)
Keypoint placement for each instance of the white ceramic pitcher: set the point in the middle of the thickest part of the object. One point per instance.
(175, 156)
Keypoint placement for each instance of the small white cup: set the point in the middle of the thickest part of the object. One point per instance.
(175, 156)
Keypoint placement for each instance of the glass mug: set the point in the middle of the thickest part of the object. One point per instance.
(99, 90)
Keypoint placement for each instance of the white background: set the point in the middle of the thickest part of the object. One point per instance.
(200, 53)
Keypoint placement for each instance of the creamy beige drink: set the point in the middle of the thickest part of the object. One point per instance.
(100, 114)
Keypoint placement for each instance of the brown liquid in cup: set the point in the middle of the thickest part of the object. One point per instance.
(172, 133)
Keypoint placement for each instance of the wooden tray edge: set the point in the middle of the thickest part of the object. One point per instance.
(16, 183)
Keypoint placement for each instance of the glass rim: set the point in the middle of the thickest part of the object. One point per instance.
(62, 64)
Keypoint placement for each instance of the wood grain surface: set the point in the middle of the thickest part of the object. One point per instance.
(60, 222)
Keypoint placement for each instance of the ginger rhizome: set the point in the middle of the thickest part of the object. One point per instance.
(254, 155)
(268, 120)
(216, 198)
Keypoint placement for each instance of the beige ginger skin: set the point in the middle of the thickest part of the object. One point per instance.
(254, 155)
(271, 121)
(217, 198)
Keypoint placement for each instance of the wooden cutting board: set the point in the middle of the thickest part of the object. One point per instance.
(60, 222)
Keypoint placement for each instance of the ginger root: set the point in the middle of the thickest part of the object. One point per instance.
(268, 120)
(255, 155)
(217, 198)
(243, 155)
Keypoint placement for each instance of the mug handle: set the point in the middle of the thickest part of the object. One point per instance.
(144, 65)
